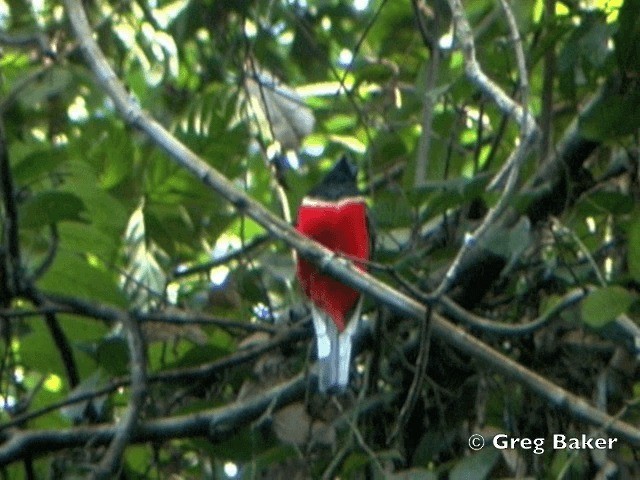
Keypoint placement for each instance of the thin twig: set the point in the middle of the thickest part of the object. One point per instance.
(428, 97)
(429, 103)
(548, 78)
(126, 427)
(110, 314)
(557, 228)
(64, 348)
(523, 82)
(418, 377)
(223, 260)
(51, 254)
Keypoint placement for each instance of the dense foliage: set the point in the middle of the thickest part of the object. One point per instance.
(152, 326)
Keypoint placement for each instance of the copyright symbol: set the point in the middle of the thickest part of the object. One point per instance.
(476, 441)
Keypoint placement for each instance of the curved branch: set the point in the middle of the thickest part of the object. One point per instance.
(126, 428)
(509, 329)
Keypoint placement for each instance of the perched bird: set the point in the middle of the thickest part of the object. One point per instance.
(335, 215)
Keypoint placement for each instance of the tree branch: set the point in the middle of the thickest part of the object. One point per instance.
(38, 40)
(125, 429)
(72, 305)
(11, 237)
(223, 260)
(217, 424)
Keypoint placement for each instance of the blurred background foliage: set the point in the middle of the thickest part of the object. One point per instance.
(105, 216)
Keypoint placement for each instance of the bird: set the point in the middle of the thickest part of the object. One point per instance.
(334, 213)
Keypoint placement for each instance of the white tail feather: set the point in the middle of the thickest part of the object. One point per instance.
(334, 349)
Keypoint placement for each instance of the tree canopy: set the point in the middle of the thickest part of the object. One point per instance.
(152, 157)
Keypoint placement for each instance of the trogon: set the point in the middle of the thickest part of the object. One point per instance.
(335, 215)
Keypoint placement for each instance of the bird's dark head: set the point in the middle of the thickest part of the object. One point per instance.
(339, 183)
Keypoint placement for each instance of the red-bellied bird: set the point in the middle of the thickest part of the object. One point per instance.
(335, 215)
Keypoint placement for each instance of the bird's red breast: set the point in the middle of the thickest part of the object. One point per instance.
(340, 226)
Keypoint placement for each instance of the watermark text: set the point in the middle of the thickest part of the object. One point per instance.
(538, 445)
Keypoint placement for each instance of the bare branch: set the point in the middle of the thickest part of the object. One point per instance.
(523, 80)
(217, 424)
(429, 102)
(529, 134)
(520, 59)
(417, 383)
(485, 325)
(174, 316)
(223, 260)
(38, 40)
(473, 70)
(11, 238)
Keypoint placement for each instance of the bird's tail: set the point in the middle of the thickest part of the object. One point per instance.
(334, 349)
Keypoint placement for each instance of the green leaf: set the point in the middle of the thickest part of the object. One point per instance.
(105, 210)
(38, 164)
(53, 420)
(113, 355)
(72, 274)
(627, 38)
(477, 466)
(614, 116)
(413, 474)
(391, 210)
(355, 462)
(145, 279)
(117, 159)
(90, 238)
(81, 332)
(38, 352)
(633, 255)
(387, 148)
(567, 465)
(50, 207)
(137, 459)
(603, 202)
(604, 304)
(374, 73)
(431, 444)
(53, 82)
(76, 411)
(200, 354)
